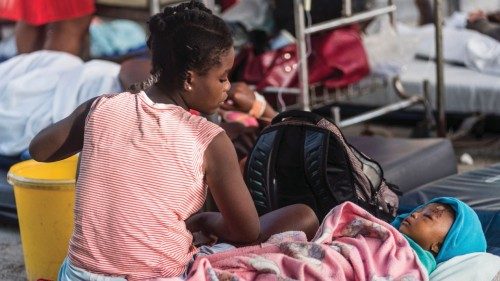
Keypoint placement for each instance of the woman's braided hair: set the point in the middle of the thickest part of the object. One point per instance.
(182, 38)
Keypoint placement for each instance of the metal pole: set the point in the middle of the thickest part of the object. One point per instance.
(440, 98)
(298, 8)
(154, 7)
(380, 111)
(352, 19)
(392, 16)
(347, 11)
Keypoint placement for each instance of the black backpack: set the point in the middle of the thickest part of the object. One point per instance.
(304, 158)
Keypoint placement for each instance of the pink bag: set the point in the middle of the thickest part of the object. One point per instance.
(337, 59)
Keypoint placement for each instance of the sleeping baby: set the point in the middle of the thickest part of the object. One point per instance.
(352, 244)
(441, 229)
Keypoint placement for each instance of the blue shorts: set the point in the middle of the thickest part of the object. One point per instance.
(69, 272)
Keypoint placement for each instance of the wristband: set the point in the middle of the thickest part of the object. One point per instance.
(258, 106)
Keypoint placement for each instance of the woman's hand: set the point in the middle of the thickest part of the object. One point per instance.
(194, 222)
(195, 225)
(200, 239)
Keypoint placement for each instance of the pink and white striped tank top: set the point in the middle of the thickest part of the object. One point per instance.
(141, 176)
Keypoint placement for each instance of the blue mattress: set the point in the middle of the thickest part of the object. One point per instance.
(479, 188)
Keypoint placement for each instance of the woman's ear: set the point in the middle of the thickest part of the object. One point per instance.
(188, 83)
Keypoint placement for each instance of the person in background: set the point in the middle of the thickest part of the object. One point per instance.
(58, 25)
(487, 24)
(147, 163)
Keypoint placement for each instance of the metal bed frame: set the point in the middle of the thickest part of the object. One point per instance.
(306, 98)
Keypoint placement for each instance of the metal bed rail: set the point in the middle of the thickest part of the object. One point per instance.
(301, 31)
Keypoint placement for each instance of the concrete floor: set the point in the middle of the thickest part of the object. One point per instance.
(11, 255)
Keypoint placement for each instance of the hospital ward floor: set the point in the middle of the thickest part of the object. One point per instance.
(471, 154)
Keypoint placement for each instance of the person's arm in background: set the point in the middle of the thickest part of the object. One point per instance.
(479, 22)
(241, 98)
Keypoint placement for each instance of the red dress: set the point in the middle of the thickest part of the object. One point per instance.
(38, 12)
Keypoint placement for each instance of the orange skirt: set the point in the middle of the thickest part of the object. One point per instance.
(39, 12)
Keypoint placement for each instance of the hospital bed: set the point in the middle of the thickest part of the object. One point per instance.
(466, 90)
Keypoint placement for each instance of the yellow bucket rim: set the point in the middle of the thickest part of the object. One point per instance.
(18, 181)
(24, 182)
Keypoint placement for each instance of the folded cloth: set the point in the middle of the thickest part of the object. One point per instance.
(465, 235)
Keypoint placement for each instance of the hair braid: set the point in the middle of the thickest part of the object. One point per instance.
(144, 85)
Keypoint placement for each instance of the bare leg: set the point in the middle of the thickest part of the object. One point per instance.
(68, 35)
(29, 38)
(297, 217)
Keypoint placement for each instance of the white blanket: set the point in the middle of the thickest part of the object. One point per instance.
(467, 90)
(470, 267)
(467, 47)
(43, 87)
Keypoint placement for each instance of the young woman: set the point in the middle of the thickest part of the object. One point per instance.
(146, 161)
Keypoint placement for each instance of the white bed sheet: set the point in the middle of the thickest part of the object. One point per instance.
(466, 90)
(390, 54)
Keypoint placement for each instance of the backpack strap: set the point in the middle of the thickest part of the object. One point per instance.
(315, 164)
(260, 172)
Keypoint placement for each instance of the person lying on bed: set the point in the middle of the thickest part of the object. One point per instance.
(352, 244)
(487, 24)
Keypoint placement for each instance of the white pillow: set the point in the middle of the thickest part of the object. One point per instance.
(470, 267)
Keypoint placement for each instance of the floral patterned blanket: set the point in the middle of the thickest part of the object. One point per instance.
(350, 244)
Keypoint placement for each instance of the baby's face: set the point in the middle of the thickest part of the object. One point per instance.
(428, 226)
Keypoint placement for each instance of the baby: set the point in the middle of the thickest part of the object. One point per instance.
(441, 229)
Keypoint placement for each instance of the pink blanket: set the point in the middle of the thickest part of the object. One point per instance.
(351, 244)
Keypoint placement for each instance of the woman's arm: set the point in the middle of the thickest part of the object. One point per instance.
(62, 139)
(238, 220)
